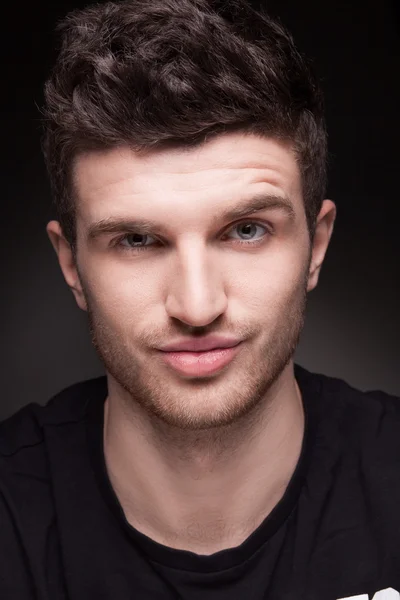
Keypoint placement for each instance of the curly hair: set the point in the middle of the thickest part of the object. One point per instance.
(170, 73)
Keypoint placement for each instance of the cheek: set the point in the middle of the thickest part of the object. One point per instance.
(273, 279)
(118, 295)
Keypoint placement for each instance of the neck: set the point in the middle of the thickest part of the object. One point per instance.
(183, 503)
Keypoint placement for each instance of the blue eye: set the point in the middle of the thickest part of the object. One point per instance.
(136, 242)
(134, 238)
(250, 225)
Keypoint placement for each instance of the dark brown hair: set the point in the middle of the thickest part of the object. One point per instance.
(161, 73)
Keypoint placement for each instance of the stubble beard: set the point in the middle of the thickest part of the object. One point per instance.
(213, 403)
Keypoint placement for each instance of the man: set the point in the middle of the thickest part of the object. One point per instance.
(186, 148)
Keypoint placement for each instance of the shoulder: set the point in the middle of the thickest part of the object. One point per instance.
(23, 453)
(372, 409)
(23, 432)
(29, 537)
(362, 421)
(27, 510)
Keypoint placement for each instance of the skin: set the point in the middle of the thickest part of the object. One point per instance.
(176, 448)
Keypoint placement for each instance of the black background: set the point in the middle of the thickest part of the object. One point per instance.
(352, 326)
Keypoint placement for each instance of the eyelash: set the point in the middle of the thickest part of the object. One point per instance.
(117, 242)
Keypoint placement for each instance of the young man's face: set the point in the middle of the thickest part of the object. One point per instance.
(190, 273)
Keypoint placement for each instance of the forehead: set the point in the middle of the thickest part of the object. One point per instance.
(223, 168)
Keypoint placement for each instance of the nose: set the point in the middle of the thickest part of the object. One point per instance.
(196, 293)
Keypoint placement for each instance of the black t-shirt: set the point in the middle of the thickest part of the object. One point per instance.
(335, 534)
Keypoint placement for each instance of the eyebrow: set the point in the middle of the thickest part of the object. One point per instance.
(244, 208)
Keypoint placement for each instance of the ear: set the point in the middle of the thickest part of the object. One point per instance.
(322, 236)
(67, 262)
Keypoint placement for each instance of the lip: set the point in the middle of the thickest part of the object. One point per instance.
(200, 364)
(200, 344)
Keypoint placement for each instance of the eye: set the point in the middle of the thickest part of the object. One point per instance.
(134, 241)
(249, 229)
(139, 242)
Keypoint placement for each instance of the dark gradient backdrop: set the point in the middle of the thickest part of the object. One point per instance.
(352, 328)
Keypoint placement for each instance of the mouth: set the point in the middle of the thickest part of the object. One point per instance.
(200, 364)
